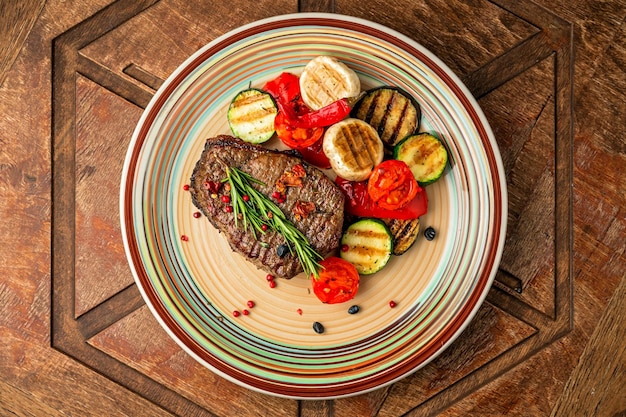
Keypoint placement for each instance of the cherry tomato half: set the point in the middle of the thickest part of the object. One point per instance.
(359, 203)
(338, 281)
(295, 137)
(391, 184)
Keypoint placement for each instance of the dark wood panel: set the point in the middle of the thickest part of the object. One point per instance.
(163, 36)
(596, 387)
(161, 358)
(464, 35)
(324, 6)
(430, 388)
(17, 21)
(495, 52)
(104, 126)
(110, 70)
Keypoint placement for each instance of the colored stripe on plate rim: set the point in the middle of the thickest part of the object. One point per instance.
(192, 287)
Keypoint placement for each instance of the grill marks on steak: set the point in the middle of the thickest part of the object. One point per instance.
(322, 227)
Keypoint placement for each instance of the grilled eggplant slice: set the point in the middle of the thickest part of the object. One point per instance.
(393, 112)
(425, 155)
(403, 232)
(251, 115)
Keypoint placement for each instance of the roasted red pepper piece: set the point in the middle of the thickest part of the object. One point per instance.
(326, 116)
(295, 137)
(359, 203)
(284, 88)
(315, 155)
(286, 91)
(296, 125)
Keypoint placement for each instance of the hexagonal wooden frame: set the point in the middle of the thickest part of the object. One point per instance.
(70, 334)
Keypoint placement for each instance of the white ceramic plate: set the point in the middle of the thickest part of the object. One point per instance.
(193, 286)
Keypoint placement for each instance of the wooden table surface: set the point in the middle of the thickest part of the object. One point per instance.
(76, 339)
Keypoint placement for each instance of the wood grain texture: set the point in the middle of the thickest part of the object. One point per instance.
(160, 357)
(465, 48)
(15, 402)
(526, 140)
(324, 6)
(17, 21)
(423, 391)
(312, 408)
(104, 126)
(525, 353)
(178, 27)
(596, 386)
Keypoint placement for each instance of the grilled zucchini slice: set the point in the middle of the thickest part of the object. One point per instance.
(251, 115)
(393, 112)
(404, 233)
(425, 155)
(367, 244)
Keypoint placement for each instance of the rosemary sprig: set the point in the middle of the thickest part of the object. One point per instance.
(259, 210)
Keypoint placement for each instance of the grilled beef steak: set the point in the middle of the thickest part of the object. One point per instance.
(312, 202)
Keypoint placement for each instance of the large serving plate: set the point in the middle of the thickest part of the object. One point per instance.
(193, 285)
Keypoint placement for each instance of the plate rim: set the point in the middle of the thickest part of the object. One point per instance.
(298, 19)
